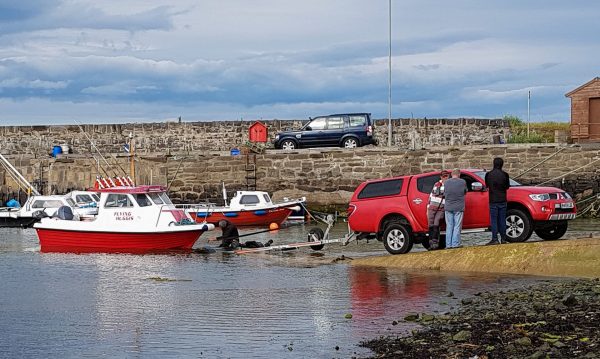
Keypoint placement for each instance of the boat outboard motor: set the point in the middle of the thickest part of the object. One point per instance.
(65, 213)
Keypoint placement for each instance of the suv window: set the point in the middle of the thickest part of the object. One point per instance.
(335, 123)
(317, 124)
(357, 121)
(382, 188)
(425, 184)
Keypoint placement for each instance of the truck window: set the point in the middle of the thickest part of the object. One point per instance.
(425, 184)
(382, 188)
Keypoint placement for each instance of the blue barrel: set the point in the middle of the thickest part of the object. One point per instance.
(56, 150)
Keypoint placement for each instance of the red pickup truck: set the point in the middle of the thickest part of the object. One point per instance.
(394, 210)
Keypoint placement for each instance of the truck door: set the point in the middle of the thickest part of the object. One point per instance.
(418, 195)
(477, 209)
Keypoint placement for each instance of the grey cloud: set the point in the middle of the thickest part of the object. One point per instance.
(57, 15)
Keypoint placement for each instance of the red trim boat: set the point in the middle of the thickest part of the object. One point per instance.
(129, 219)
(247, 208)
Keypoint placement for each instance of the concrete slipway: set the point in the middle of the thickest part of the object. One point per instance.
(564, 258)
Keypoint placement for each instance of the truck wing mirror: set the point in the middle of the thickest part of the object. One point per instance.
(477, 187)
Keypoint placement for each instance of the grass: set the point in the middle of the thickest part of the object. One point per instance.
(539, 132)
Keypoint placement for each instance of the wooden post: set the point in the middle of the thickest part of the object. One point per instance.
(132, 157)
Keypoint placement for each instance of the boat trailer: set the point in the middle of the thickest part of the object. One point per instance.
(316, 238)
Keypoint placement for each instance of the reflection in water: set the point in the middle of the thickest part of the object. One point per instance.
(268, 305)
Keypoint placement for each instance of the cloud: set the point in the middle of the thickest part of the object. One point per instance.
(17, 17)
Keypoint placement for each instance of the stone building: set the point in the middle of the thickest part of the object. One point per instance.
(585, 112)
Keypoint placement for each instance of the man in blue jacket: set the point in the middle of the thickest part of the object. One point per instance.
(497, 182)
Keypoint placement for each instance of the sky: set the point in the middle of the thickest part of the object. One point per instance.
(120, 61)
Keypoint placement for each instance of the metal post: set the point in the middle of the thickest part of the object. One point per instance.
(528, 118)
(390, 75)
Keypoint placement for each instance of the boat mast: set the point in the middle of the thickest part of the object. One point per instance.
(132, 156)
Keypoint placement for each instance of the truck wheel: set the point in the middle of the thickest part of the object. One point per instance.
(397, 239)
(288, 145)
(552, 231)
(518, 226)
(316, 234)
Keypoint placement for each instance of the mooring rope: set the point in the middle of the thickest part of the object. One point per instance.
(547, 158)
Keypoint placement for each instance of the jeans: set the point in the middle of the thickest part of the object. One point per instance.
(498, 220)
(454, 221)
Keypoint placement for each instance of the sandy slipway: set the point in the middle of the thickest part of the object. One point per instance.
(556, 319)
(565, 258)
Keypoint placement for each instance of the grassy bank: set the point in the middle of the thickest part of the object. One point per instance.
(539, 132)
(565, 258)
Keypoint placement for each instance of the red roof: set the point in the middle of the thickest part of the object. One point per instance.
(134, 190)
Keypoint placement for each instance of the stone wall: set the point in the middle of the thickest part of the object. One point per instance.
(194, 137)
(325, 177)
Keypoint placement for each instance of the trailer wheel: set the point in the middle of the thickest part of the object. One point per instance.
(316, 234)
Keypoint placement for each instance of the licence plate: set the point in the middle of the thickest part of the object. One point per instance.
(566, 205)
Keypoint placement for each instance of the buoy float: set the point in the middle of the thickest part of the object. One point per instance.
(273, 226)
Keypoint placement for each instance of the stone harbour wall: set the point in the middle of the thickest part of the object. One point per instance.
(325, 176)
(169, 138)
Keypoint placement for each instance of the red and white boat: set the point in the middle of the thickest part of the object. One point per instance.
(129, 219)
(247, 208)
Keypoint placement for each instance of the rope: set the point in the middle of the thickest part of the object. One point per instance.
(547, 158)
(575, 170)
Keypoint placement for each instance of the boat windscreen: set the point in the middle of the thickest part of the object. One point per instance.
(142, 200)
(165, 198)
(155, 198)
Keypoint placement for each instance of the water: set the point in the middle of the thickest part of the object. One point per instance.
(268, 305)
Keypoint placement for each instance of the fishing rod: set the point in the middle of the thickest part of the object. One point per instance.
(96, 148)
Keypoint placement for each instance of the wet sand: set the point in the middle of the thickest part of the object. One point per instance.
(564, 258)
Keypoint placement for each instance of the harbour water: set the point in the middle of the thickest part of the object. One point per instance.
(289, 304)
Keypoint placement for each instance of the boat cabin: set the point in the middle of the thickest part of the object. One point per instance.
(249, 200)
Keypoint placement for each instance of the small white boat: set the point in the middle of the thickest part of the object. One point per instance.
(82, 203)
(128, 219)
(247, 208)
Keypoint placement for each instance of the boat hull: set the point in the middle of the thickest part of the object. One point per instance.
(60, 240)
(245, 218)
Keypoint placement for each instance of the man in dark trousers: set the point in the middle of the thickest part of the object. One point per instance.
(497, 182)
(230, 237)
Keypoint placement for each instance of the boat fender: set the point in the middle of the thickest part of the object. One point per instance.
(260, 212)
(231, 214)
(295, 208)
(202, 214)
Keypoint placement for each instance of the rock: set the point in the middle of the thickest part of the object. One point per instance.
(450, 294)
(394, 323)
(569, 300)
(523, 341)
(467, 301)
(348, 316)
(411, 317)
(427, 317)
(462, 336)
(537, 355)
(559, 344)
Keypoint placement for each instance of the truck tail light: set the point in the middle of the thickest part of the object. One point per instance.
(369, 130)
(351, 209)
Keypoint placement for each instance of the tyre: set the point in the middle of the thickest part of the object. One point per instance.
(350, 142)
(316, 234)
(397, 238)
(552, 231)
(518, 226)
(288, 145)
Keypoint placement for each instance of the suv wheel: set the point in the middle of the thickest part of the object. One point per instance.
(552, 231)
(518, 226)
(288, 145)
(397, 239)
(350, 142)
